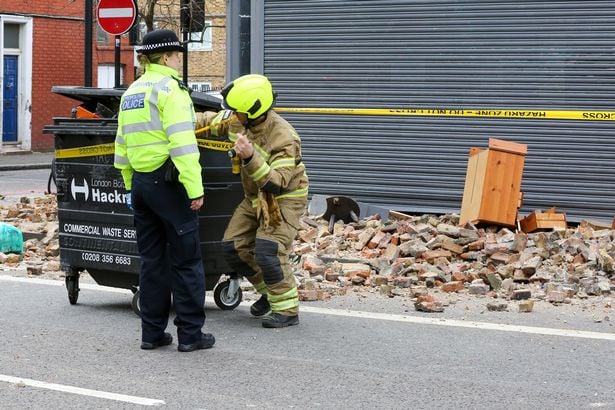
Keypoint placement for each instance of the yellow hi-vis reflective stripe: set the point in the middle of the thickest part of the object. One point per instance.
(297, 193)
(285, 301)
(461, 112)
(260, 172)
(261, 288)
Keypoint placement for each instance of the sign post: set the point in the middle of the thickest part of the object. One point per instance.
(116, 17)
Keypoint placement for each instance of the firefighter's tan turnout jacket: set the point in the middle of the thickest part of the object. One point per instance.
(276, 166)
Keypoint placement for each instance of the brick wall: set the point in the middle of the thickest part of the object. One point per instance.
(210, 66)
(58, 58)
(47, 7)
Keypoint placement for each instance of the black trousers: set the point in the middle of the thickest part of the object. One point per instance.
(171, 264)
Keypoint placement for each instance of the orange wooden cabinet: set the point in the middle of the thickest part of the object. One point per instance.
(492, 192)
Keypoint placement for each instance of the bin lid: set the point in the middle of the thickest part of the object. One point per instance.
(110, 97)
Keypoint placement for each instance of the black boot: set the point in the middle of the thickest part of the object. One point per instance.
(166, 340)
(276, 320)
(260, 307)
(207, 341)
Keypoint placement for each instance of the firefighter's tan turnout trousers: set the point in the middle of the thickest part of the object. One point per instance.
(260, 253)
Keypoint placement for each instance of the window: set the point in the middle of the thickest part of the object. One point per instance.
(11, 35)
(102, 37)
(106, 75)
(137, 32)
(201, 40)
(201, 87)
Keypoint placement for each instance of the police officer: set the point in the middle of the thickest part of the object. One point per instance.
(157, 153)
(260, 233)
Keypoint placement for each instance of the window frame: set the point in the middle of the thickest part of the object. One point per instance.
(200, 86)
(207, 39)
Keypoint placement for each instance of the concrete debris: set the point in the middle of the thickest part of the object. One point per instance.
(526, 306)
(37, 218)
(427, 259)
(497, 306)
(422, 256)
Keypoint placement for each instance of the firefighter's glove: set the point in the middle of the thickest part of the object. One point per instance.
(269, 210)
(275, 215)
(203, 118)
(262, 209)
(220, 123)
(204, 128)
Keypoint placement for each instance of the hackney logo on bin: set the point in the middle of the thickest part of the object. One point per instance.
(98, 190)
(79, 189)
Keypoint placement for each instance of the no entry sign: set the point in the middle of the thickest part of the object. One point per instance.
(116, 17)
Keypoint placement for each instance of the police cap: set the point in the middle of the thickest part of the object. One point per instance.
(160, 40)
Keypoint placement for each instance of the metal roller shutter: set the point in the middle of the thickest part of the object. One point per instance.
(448, 55)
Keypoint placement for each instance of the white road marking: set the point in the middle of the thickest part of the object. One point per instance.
(547, 331)
(51, 282)
(83, 392)
(462, 323)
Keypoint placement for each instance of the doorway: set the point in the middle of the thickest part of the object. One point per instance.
(10, 93)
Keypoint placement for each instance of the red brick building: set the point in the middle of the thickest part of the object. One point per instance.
(43, 46)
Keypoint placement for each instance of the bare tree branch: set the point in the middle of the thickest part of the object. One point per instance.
(160, 14)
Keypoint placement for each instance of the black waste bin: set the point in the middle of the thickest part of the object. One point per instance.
(96, 228)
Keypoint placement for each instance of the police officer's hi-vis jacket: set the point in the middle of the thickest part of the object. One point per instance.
(156, 122)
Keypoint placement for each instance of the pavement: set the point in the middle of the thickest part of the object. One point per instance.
(16, 160)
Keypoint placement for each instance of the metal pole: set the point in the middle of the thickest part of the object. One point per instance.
(244, 37)
(185, 59)
(117, 61)
(185, 27)
(87, 78)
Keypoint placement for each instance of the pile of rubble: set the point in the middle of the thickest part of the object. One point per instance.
(37, 218)
(418, 257)
(423, 256)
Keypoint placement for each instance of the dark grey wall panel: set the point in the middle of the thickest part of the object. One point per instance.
(526, 55)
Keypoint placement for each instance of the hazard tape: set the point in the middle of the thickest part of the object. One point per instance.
(532, 114)
(88, 151)
(109, 149)
(214, 145)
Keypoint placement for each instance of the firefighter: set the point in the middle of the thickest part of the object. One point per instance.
(157, 153)
(259, 235)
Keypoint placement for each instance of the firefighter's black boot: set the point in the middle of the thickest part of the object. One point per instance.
(260, 307)
(276, 320)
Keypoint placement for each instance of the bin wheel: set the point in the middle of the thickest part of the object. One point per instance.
(223, 299)
(135, 303)
(72, 286)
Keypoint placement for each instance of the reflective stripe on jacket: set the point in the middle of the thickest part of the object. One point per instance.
(156, 121)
